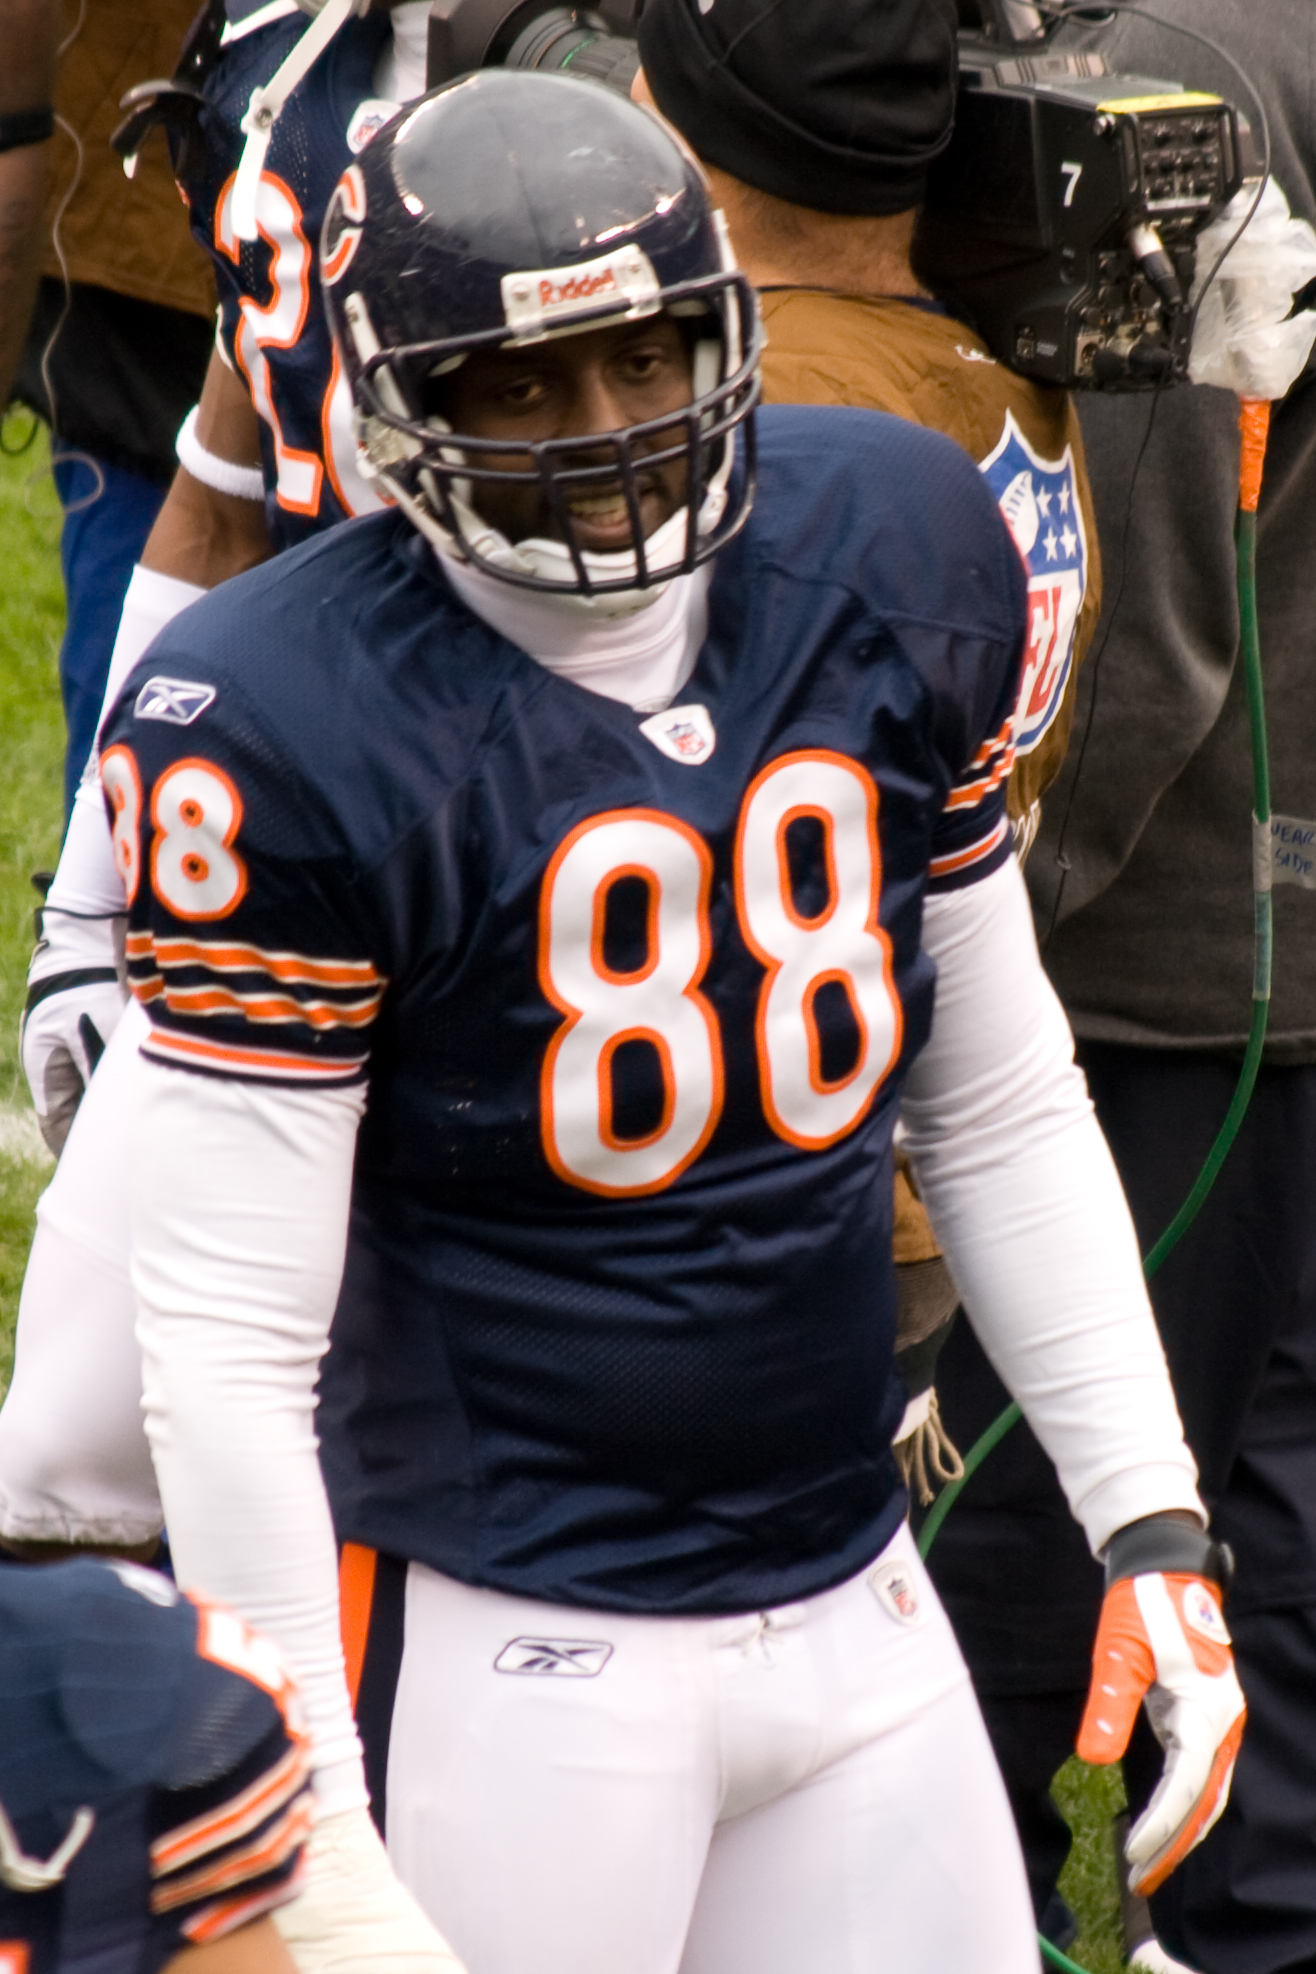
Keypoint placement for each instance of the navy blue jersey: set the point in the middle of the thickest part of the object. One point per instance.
(634, 997)
(271, 316)
(154, 1786)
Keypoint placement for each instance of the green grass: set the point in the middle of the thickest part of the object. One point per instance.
(31, 764)
(1089, 1799)
(31, 817)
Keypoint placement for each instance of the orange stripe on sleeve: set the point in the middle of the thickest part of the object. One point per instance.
(967, 794)
(214, 1921)
(356, 1589)
(234, 1867)
(272, 1007)
(235, 1818)
(163, 1042)
(974, 854)
(226, 956)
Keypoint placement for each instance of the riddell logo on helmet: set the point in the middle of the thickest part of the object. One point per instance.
(578, 288)
(535, 301)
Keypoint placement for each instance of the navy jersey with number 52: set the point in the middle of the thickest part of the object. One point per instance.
(634, 999)
(271, 316)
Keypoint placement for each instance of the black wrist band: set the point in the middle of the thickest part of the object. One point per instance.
(1163, 1542)
(60, 983)
(26, 127)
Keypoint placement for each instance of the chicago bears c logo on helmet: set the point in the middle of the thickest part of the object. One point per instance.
(342, 225)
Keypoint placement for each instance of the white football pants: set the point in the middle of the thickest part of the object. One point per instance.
(808, 1790)
(74, 1463)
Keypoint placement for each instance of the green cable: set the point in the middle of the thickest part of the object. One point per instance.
(973, 1459)
(1261, 897)
(1263, 936)
(1058, 1959)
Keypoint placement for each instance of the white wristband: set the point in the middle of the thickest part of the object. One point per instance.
(241, 482)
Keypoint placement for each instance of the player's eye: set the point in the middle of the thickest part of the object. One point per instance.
(522, 393)
(642, 365)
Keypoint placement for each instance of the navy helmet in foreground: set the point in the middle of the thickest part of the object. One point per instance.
(506, 210)
(154, 1779)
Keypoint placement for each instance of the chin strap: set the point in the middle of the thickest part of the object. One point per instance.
(266, 106)
(33, 1874)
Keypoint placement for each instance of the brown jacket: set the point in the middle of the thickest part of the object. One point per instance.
(128, 235)
(886, 355)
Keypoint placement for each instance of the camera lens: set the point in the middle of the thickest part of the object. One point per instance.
(575, 41)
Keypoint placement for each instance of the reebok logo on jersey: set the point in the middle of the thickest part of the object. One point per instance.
(176, 701)
(893, 1586)
(682, 733)
(555, 1658)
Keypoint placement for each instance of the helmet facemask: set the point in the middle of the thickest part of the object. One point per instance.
(436, 473)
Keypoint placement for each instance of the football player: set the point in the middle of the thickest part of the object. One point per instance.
(535, 957)
(268, 456)
(154, 1785)
(73, 1461)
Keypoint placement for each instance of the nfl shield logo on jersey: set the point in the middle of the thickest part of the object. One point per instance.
(1039, 500)
(683, 733)
(366, 119)
(893, 1586)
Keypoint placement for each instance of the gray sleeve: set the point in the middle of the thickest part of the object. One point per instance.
(1165, 646)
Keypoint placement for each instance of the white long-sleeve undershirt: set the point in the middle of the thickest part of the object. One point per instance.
(240, 1198)
(87, 882)
(239, 1225)
(1026, 1203)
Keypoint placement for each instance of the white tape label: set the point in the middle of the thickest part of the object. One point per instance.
(1293, 851)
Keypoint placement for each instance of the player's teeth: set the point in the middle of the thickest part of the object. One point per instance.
(596, 507)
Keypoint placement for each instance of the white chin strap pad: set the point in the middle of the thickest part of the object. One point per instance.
(266, 106)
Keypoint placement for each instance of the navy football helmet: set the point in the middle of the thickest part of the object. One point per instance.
(504, 209)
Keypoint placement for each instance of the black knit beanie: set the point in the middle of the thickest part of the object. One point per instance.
(836, 104)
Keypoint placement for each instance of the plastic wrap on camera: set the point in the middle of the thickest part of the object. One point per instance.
(1246, 339)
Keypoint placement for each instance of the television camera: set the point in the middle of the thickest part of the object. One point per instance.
(1060, 221)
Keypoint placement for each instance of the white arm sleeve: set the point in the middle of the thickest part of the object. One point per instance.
(1026, 1203)
(86, 881)
(240, 1199)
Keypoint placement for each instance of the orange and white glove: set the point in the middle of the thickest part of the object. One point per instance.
(1163, 1639)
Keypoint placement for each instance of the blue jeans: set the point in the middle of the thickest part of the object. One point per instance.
(108, 513)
